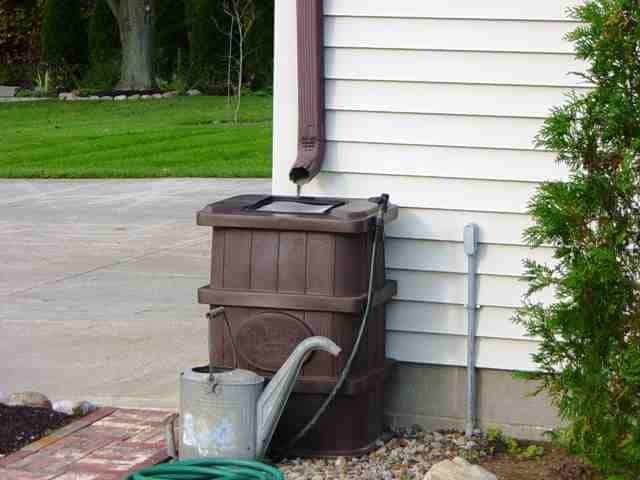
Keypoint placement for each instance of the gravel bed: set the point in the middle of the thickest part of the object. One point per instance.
(407, 456)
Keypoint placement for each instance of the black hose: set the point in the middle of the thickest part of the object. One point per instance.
(383, 205)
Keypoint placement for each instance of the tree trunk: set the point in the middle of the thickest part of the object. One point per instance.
(135, 19)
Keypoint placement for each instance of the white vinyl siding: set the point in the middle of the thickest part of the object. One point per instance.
(445, 99)
(472, 67)
(446, 34)
(439, 104)
(539, 10)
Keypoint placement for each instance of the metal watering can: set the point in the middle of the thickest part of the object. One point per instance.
(231, 414)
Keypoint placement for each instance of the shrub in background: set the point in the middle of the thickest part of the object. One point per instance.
(18, 22)
(589, 357)
(104, 48)
(19, 41)
(63, 35)
(260, 59)
(206, 22)
(171, 38)
(104, 40)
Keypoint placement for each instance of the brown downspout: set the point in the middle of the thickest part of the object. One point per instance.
(311, 129)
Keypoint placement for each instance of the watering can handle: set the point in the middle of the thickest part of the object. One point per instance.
(212, 314)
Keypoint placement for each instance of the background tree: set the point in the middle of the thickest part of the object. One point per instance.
(589, 357)
(242, 19)
(64, 37)
(190, 40)
(135, 20)
(260, 57)
(207, 42)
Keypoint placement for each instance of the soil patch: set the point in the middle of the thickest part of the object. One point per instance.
(20, 426)
(555, 464)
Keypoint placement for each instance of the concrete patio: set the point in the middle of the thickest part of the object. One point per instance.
(98, 285)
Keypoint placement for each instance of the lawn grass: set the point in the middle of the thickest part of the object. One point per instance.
(181, 137)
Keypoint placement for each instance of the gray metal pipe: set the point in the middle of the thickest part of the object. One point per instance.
(471, 250)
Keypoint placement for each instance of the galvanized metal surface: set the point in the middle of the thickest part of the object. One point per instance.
(227, 415)
(218, 420)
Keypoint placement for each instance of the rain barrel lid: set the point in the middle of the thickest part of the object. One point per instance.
(315, 214)
(224, 377)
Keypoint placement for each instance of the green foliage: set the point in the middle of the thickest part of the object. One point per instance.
(209, 28)
(179, 84)
(494, 434)
(43, 83)
(104, 39)
(512, 445)
(171, 40)
(64, 35)
(104, 48)
(207, 23)
(24, 94)
(260, 58)
(532, 452)
(104, 75)
(589, 359)
(471, 456)
(498, 442)
(562, 438)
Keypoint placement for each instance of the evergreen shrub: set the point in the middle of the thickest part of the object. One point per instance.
(589, 358)
(63, 34)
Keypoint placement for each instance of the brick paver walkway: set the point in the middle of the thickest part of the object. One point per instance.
(105, 445)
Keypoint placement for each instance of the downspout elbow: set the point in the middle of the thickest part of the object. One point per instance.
(309, 161)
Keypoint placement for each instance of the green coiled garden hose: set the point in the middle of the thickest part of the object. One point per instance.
(209, 469)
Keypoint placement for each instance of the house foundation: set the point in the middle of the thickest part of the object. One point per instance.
(434, 397)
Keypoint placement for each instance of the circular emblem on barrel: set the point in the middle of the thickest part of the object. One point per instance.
(266, 340)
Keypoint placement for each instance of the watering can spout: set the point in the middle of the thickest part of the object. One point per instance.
(274, 398)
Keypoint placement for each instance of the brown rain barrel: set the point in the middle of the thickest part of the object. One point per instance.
(284, 277)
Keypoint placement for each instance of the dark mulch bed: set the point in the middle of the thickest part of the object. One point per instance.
(20, 426)
(555, 464)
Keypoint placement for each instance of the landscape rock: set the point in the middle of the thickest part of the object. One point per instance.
(66, 96)
(157, 96)
(146, 97)
(6, 91)
(85, 407)
(120, 98)
(458, 469)
(28, 399)
(94, 97)
(194, 92)
(69, 407)
(408, 455)
(169, 94)
(134, 97)
(107, 98)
